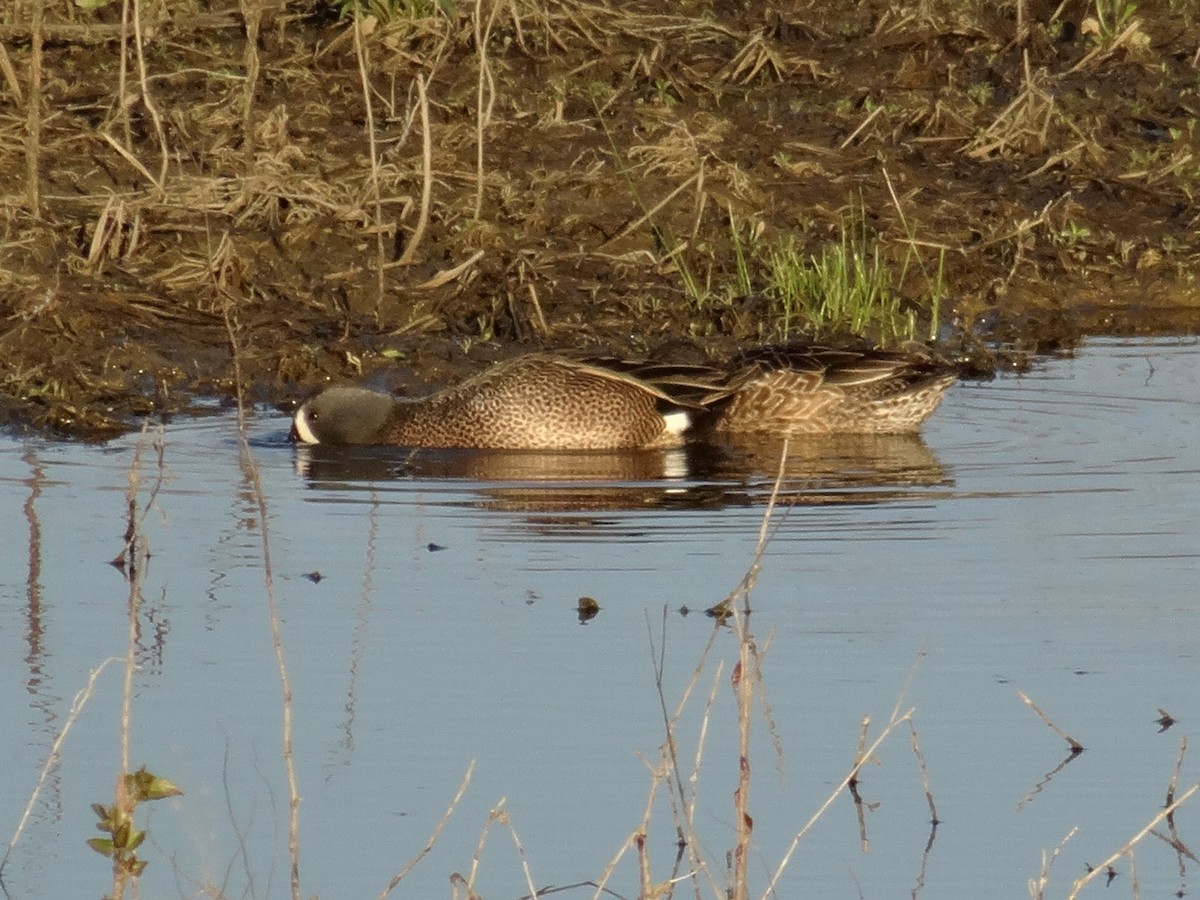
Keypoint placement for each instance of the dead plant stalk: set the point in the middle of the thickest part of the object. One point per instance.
(252, 15)
(410, 252)
(135, 555)
(360, 54)
(437, 830)
(745, 675)
(487, 89)
(33, 119)
(254, 482)
(52, 758)
(139, 40)
(1127, 848)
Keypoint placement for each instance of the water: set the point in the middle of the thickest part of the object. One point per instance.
(1043, 538)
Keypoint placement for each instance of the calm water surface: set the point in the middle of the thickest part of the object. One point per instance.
(1042, 537)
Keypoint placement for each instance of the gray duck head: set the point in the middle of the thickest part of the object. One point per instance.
(343, 415)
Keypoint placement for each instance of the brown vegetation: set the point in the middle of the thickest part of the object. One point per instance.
(564, 173)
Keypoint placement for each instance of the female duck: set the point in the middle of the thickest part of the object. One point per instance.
(800, 389)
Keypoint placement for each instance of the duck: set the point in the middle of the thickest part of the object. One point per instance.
(543, 401)
(538, 401)
(805, 388)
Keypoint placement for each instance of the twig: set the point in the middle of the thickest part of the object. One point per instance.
(1080, 883)
(447, 275)
(1076, 747)
(77, 706)
(10, 75)
(147, 99)
(410, 251)
(649, 213)
(136, 554)
(498, 814)
(833, 795)
(252, 15)
(130, 158)
(921, 767)
(437, 830)
(865, 122)
(33, 115)
(487, 86)
(742, 591)
(1037, 886)
(743, 677)
(361, 55)
(250, 471)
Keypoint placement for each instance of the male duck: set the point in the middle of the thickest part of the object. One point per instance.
(535, 402)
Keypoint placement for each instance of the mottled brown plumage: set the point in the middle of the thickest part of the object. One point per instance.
(546, 402)
(809, 389)
(535, 402)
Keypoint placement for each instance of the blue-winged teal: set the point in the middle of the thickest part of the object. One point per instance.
(546, 402)
(535, 402)
(809, 389)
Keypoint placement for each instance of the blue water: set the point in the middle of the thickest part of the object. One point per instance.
(1043, 537)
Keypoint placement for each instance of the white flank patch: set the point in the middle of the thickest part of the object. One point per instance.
(303, 430)
(677, 422)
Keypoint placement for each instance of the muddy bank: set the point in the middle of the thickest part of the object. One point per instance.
(568, 175)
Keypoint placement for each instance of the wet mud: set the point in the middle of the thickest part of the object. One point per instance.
(212, 199)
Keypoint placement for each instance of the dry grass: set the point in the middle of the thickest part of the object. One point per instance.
(511, 217)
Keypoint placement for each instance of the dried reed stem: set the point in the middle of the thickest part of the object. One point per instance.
(1076, 747)
(123, 78)
(744, 677)
(650, 213)
(857, 131)
(10, 73)
(135, 555)
(445, 276)
(498, 814)
(433, 837)
(77, 707)
(539, 317)
(923, 769)
(683, 806)
(833, 795)
(369, 108)
(147, 99)
(1128, 846)
(1037, 886)
(252, 16)
(410, 251)
(1173, 784)
(250, 472)
(127, 156)
(487, 87)
(33, 115)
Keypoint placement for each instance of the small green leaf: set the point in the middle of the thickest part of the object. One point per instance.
(120, 838)
(143, 785)
(135, 839)
(103, 846)
(392, 353)
(100, 810)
